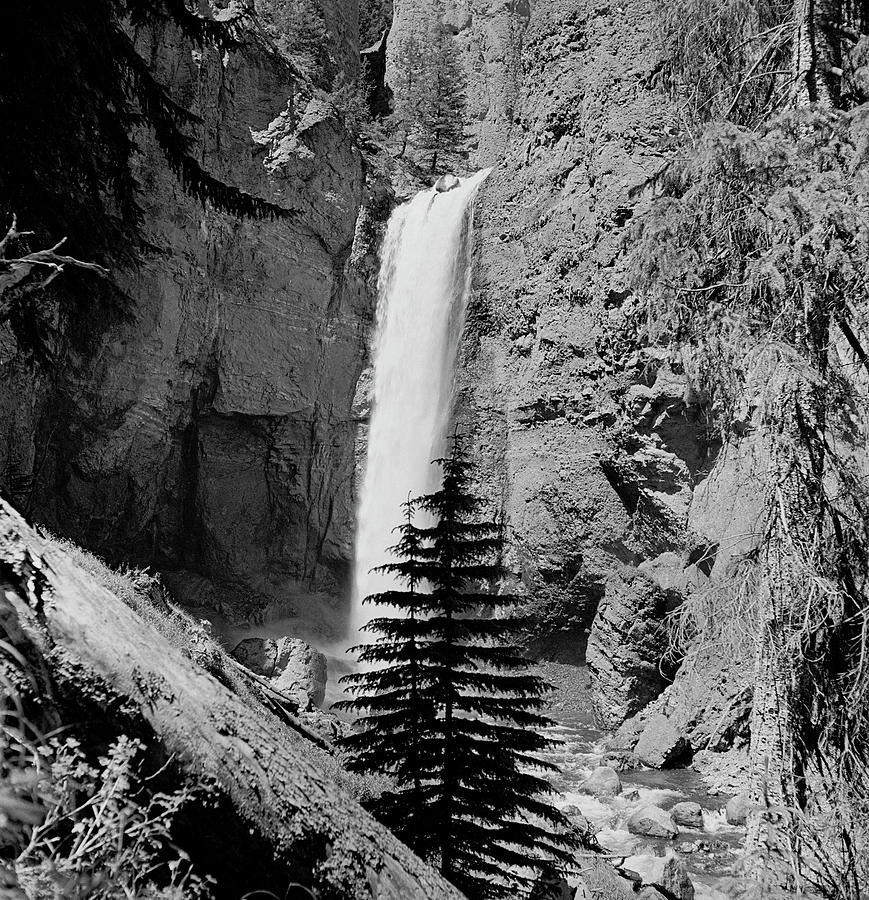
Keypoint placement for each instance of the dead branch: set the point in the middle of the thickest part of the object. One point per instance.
(45, 265)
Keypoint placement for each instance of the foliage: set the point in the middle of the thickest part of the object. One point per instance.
(726, 59)
(429, 96)
(755, 256)
(375, 17)
(299, 31)
(75, 90)
(75, 827)
(452, 713)
(747, 229)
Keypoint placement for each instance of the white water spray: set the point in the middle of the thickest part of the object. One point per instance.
(423, 290)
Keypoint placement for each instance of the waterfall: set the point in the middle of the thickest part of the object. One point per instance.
(425, 276)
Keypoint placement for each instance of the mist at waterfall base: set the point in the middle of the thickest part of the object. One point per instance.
(424, 283)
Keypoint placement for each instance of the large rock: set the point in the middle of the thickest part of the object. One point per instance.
(688, 814)
(627, 643)
(652, 821)
(705, 709)
(738, 808)
(294, 667)
(602, 782)
(660, 744)
(676, 881)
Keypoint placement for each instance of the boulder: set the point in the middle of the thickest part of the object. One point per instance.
(301, 670)
(688, 814)
(661, 744)
(446, 183)
(603, 782)
(676, 881)
(737, 809)
(294, 668)
(652, 821)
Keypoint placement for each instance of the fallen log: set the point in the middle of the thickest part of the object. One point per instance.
(281, 818)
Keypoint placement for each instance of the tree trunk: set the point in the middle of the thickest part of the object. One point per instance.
(816, 58)
(280, 817)
(777, 771)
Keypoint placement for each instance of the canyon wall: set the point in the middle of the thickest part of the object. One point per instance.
(597, 451)
(210, 430)
(206, 429)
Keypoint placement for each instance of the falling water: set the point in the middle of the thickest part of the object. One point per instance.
(424, 282)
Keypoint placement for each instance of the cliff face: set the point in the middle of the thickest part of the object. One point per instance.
(597, 452)
(208, 430)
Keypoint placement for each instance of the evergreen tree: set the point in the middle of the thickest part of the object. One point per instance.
(396, 698)
(453, 713)
(440, 115)
(429, 99)
(75, 88)
(409, 89)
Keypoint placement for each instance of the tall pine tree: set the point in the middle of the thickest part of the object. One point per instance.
(429, 100)
(395, 733)
(452, 711)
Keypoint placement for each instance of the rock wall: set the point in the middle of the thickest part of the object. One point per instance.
(596, 452)
(207, 430)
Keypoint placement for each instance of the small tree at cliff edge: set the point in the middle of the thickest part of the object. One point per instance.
(452, 713)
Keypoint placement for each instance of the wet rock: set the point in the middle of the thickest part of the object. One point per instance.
(688, 814)
(676, 881)
(652, 821)
(737, 809)
(634, 877)
(687, 847)
(603, 782)
(293, 667)
(661, 744)
(631, 796)
(446, 183)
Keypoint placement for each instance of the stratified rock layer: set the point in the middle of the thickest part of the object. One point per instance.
(207, 429)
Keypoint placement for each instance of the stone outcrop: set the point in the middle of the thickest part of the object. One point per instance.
(627, 646)
(602, 782)
(596, 452)
(206, 429)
